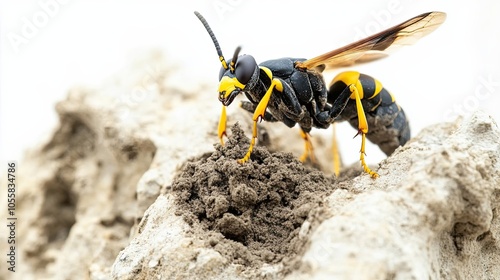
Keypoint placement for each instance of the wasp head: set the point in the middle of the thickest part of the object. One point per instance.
(237, 74)
(241, 74)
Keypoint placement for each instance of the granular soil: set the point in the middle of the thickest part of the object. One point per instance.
(251, 213)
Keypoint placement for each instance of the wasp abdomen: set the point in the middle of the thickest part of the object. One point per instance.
(388, 126)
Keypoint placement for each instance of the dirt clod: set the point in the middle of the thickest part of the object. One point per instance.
(256, 209)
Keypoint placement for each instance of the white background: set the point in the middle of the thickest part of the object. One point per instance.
(84, 42)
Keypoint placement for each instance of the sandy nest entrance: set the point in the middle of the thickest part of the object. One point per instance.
(251, 213)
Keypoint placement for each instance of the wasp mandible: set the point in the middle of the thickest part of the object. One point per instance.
(293, 91)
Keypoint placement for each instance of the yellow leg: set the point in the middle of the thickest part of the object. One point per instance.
(367, 169)
(362, 123)
(308, 148)
(222, 125)
(252, 143)
(335, 153)
(259, 114)
(363, 129)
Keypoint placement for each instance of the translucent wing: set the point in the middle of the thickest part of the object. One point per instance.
(378, 45)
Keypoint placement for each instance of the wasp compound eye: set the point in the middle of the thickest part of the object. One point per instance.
(244, 68)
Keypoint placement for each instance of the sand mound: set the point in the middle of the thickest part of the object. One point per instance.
(250, 213)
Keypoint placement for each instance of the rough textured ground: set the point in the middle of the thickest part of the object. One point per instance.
(132, 187)
(251, 214)
(433, 213)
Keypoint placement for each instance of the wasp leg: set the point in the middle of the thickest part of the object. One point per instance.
(362, 129)
(222, 125)
(250, 107)
(328, 116)
(259, 114)
(268, 117)
(335, 153)
(308, 147)
(308, 151)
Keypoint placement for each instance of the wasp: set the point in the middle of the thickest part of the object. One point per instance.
(293, 91)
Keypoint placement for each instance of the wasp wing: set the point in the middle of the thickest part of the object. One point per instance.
(378, 45)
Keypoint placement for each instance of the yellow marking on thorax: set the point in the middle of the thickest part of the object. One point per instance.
(267, 71)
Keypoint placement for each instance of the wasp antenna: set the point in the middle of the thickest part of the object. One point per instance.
(235, 57)
(212, 35)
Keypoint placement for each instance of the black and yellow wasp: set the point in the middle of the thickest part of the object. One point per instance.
(292, 90)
